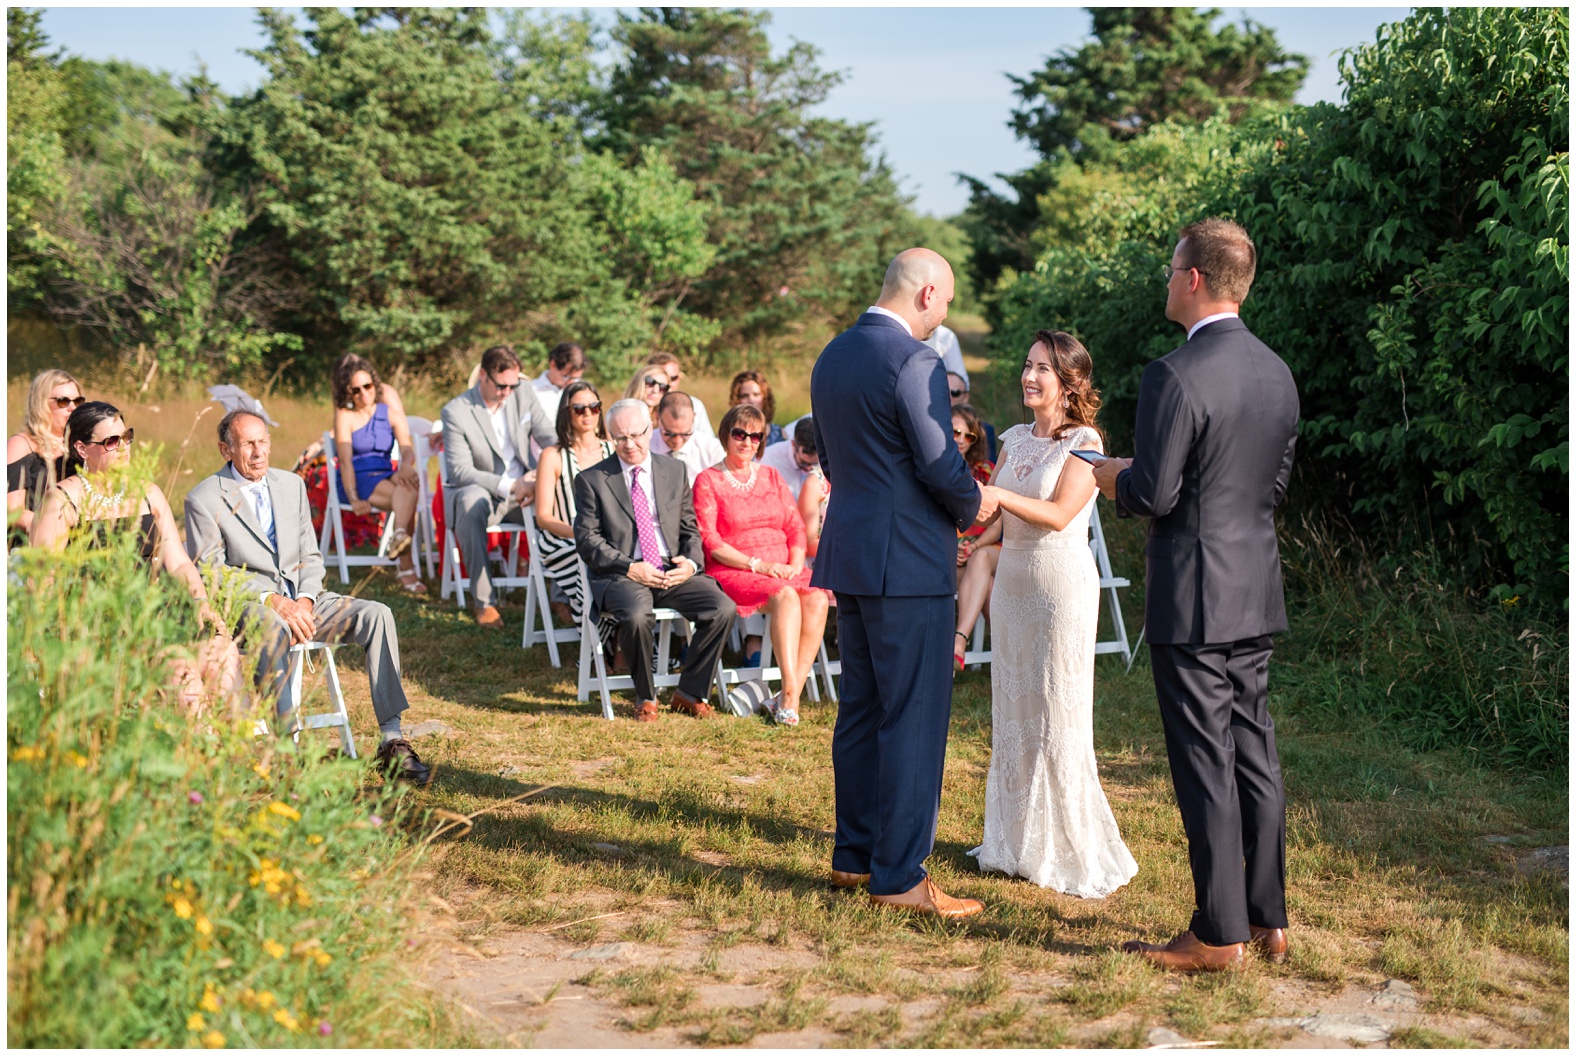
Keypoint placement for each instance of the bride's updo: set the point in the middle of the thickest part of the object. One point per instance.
(1073, 366)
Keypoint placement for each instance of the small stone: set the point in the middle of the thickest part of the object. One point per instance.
(1164, 1038)
(610, 951)
(429, 728)
(609, 848)
(1363, 1029)
(1545, 860)
(511, 771)
(1528, 1015)
(1278, 1022)
(1396, 995)
(1499, 839)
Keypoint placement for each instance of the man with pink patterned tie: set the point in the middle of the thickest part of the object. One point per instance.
(635, 530)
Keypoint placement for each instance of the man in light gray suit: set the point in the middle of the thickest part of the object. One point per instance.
(489, 473)
(256, 519)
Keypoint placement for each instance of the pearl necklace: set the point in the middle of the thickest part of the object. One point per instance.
(101, 500)
(745, 485)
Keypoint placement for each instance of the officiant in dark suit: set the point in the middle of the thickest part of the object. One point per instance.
(1215, 435)
(899, 493)
(635, 530)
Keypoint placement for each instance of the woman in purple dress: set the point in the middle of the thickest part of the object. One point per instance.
(364, 433)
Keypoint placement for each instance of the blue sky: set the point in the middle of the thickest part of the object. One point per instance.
(933, 79)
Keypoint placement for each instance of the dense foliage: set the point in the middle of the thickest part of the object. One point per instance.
(1413, 273)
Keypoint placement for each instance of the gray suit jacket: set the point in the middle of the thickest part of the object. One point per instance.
(470, 447)
(1217, 428)
(222, 527)
(605, 532)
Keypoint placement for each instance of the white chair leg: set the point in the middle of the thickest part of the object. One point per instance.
(825, 664)
(345, 739)
(601, 676)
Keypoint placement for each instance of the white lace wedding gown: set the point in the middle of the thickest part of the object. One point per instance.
(1046, 817)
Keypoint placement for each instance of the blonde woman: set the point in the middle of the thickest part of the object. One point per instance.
(649, 385)
(35, 456)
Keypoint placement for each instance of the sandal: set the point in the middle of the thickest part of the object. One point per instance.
(958, 659)
(399, 542)
(410, 581)
(780, 715)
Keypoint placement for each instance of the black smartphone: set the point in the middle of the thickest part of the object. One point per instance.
(1091, 456)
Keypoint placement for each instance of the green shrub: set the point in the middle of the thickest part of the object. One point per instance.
(176, 881)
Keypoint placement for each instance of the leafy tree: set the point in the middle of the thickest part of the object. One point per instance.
(35, 148)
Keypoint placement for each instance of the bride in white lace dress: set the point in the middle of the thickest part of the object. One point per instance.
(1046, 817)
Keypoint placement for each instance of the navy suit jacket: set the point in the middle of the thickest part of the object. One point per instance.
(899, 489)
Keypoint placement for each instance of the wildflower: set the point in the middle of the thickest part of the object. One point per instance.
(266, 1000)
(1508, 602)
(323, 958)
(259, 769)
(27, 753)
(213, 1040)
(204, 925)
(195, 1022)
(210, 1000)
(285, 1019)
(303, 897)
(76, 758)
(284, 810)
(176, 883)
(314, 839)
(194, 797)
(183, 908)
(376, 821)
(275, 950)
(325, 1029)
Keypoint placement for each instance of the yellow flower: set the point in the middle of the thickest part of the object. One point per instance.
(286, 1020)
(176, 884)
(266, 1000)
(213, 1040)
(275, 950)
(314, 838)
(76, 758)
(204, 925)
(27, 753)
(210, 1000)
(259, 769)
(303, 898)
(195, 1022)
(323, 959)
(183, 908)
(284, 810)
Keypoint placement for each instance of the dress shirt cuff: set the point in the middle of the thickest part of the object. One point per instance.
(506, 485)
(265, 595)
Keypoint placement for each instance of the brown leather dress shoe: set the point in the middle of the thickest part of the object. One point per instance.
(847, 880)
(488, 616)
(1269, 942)
(685, 704)
(925, 897)
(646, 711)
(1186, 953)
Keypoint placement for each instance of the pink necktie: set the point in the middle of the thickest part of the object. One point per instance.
(649, 550)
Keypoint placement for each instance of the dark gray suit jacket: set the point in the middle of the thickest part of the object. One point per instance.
(605, 533)
(1217, 428)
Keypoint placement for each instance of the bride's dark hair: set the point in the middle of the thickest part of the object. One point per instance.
(1073, 366)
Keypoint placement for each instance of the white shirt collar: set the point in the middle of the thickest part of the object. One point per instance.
(891, 315)
(1217, 317)
(646, 465)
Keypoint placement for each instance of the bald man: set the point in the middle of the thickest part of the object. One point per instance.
(888, 549)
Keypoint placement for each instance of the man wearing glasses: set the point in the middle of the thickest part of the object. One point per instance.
(488, 469)
(635, 530)
(794, 458)
(677, 436)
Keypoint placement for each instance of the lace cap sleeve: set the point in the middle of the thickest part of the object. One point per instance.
(1009, 438)
(1086, 439)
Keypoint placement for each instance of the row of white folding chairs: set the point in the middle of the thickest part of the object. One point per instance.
(331, 543)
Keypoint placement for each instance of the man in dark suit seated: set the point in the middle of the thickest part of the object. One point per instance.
(635, 530)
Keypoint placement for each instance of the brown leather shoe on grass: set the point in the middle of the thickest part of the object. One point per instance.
(1186, 953)
(849, 880)
(488, 616)
(1269, 942)
(646, 711)
(685, 704)
(928, 899)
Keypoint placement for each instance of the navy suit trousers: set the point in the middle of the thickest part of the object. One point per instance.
(890, 743)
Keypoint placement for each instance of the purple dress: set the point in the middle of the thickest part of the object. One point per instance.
(369, 455)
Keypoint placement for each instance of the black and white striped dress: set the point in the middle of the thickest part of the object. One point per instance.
(558, 555)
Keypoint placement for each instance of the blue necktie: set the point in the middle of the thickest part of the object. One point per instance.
(265, 514)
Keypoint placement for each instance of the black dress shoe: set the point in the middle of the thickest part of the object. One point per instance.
(399, 756)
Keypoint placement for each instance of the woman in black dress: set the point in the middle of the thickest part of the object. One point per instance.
(34, 456)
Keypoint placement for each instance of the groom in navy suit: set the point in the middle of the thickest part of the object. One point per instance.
(901, 491)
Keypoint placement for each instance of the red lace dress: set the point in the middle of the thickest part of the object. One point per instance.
(758, 519)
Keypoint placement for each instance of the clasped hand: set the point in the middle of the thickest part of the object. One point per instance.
(989, 501)
(1105, 473)
(297, 616)
(648, 575)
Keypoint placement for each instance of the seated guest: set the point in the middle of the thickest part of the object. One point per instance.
(635, 530)
(488, 474)
(565, 363)
(670, 365)
(648, 386)
(751, 387)
(35, 457)
(945, 341)
(794, 458)
(755, 544)
(364, 431)
(98, 441)
(386, 393)
(958, 391)
(582, 441)
(813, 496)
(251, 517)
(979, 546)
(675, 436)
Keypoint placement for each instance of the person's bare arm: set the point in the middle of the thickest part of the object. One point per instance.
(547, 469)
(405, 475)
(175, 562)
(1074, 488)
(54, 520)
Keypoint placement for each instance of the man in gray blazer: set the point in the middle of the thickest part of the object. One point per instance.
(489, 473)
(256, 519)
(635, 530)
(1216, 431)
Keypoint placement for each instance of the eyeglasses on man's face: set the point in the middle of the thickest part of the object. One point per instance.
(500, 386)
(631, 438)
(68, 401)
(958, 394)
(671, 435)
(112, 443)
(1169, 270)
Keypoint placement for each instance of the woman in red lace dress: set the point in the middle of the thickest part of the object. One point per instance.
(754, 541)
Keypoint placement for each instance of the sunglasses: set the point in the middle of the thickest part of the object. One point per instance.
(670, 434)
(112, 443)
(741, 435)
(368, 387)
(654, 383)
(586, 408)
(68, 401)
(959, 434)
(958, 392)
(501, 386)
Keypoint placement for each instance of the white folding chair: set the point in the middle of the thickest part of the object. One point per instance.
(767, 672)
(538, 602)
(332, 541)
(290, 700)
(593, 660)
(508, 561)
(426, 541)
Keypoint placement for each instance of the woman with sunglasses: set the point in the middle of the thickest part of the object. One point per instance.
(978, 545)
(98, 443)
(754, 541)
(364, 431)
(649, 385)
(751, 387)
(582, 441)
(35, 457)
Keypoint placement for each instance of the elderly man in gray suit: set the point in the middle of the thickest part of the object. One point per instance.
(255, 519)
(489, 473)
